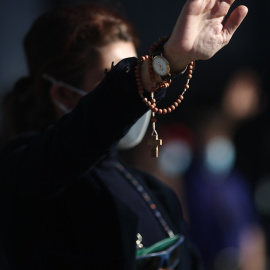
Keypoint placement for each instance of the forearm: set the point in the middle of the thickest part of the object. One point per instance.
(58, 157)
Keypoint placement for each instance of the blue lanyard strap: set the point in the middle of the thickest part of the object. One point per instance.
(145, 196)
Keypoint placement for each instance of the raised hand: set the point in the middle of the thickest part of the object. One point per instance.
(201, 30)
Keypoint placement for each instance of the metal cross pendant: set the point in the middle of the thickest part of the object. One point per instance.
(155, 142)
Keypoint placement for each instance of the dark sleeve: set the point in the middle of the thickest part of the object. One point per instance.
(55, 159)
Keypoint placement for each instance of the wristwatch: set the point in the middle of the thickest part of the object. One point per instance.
(161, 67)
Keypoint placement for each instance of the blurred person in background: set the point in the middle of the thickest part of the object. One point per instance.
(67, 202)
(222, 216)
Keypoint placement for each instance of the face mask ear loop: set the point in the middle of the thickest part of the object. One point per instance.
(71, 88)
(62, 107)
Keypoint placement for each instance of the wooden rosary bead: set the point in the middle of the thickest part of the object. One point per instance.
(151, 104)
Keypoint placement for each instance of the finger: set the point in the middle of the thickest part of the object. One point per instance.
(235, 19)
(221, 9)
(230, 2)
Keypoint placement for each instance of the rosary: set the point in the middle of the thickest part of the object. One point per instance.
(159, 65)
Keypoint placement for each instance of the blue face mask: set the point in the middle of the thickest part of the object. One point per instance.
(219, 155)
(134, 135)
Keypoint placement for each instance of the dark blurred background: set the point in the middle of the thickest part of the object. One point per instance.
(249, 49)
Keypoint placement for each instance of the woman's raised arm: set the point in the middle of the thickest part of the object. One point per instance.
(201, 30)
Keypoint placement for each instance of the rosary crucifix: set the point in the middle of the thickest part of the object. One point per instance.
(155, 142)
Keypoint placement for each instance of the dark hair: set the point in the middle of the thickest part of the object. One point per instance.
(62, 43)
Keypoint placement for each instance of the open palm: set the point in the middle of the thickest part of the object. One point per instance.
(201, 29)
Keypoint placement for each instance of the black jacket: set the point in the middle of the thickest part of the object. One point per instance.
(56, 213)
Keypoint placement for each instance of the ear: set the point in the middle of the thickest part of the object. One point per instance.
(64, 96)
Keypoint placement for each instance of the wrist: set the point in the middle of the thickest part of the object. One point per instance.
(146, 80)
(178, 61)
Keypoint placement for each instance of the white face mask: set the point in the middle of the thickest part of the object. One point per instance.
(60, 105)
(134, 135)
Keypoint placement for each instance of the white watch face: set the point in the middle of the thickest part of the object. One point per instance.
(161, 65)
